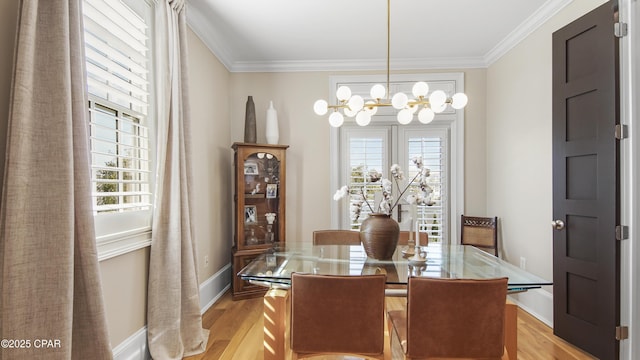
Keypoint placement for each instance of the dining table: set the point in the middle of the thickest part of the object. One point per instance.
(274, 267)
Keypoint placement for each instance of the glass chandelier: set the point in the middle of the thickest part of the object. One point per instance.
(363, 109)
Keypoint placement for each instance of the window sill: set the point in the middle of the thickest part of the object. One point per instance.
(119, 244)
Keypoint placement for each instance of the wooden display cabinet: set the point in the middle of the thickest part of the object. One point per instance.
(259, 207)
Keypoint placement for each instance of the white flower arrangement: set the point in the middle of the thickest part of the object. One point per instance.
(421, 195)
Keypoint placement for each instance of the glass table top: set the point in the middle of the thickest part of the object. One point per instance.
(274, 267)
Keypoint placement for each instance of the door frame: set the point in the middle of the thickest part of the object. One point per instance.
(630, 175)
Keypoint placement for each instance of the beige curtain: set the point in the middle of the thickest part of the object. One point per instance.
(50, 285)
(173, 310)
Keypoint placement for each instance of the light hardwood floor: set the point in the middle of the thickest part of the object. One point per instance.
(236, 333)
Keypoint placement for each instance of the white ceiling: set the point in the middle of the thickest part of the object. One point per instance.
(317, 35)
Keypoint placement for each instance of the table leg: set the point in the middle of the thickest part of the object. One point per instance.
(275, 321)
(511, 330)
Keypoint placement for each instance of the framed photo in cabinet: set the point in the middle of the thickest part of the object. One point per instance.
(250, 214)
(272, 191)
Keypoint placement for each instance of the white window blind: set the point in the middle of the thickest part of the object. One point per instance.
(119, 77)
(367, 150)
(116, 40)
(431, 219)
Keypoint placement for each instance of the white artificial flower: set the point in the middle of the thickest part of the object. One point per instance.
(340, 193)
(396, 172)
(418, 161)
(374, 176)
(386, 185)
(412, 199)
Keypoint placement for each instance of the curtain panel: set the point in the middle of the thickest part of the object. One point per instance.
(50, 285)
(173, 310)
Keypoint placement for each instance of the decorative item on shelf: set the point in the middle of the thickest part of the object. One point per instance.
(272, 125)
(363, 109)
(272, 191)
(419, 255)
(252, 239)
(379, 232)
(250, 135)
(270, 236)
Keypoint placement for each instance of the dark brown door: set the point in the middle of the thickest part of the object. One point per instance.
(585, 183)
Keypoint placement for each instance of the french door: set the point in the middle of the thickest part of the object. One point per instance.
(377, 147)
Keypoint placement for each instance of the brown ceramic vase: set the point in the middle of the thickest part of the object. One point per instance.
(379, 236)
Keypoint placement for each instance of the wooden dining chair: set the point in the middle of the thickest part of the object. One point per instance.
(452, 318)
(481, 232)
(352, 237)
(336, 237)
(332, 314)
(403, 239)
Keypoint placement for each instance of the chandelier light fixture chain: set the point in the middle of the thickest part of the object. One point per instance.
(356, 106)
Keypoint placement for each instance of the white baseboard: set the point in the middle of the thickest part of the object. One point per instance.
(538, 303)
(214, 287)
(135, 346)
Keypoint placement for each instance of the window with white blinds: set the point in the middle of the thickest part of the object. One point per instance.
(367, 150)
(376, 147)
(432, 146)
(118, 60)
(116, 39)
(120, 160)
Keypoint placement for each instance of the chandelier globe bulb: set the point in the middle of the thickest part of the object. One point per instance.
(378, 91)
(348, 112)
(320, 107)
(370, 108)
(420, 89)
(336, 119)
(356, 102)
(405, 116)
(399, 101)
(426, 115)
(343, 93)
(363, 118)
(440, 108)
(459, 100)
(437, 99)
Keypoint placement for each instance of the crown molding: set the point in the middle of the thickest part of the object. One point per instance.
(202, 28)
(356, 65)
(210, 37)
(532, 23)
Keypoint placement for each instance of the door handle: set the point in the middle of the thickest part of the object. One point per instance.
(557, 224)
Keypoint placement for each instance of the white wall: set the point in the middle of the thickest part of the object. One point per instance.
(309, 195)
(209, 100)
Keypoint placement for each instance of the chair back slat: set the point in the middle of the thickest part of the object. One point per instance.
(352, 237)
(336, 237)
(481, 232)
